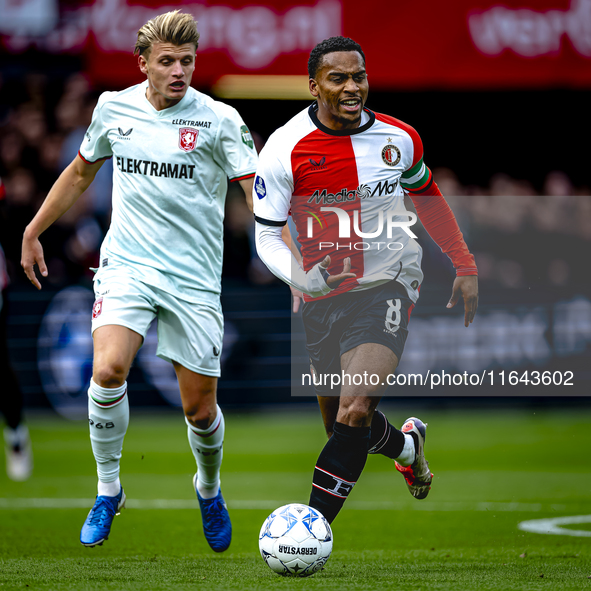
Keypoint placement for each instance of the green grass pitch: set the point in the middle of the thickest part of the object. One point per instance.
(493, 470)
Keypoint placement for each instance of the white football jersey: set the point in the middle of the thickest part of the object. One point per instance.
(169, 185)
(345, 192)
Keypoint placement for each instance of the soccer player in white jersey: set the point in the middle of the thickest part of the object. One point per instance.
(341, 171)
(173, 149)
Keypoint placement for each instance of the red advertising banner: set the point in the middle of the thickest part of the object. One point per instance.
(471, 44)
(465, 44)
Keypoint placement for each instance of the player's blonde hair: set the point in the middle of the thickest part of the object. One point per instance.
(171, 27)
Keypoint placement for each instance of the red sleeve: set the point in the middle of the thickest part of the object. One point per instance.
(439, 221)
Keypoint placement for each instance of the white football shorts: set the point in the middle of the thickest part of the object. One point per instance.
(190, 334)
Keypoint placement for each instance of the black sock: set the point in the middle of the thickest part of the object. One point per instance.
(385, 439)
(339, 466)
(11, 401)
(11, 397)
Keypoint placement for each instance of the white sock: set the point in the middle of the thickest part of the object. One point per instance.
(407, 457)
(108, 417)
(207, 447)
(109, 489)
(18, 437)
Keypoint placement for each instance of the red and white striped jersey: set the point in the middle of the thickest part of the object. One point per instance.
(345, 192)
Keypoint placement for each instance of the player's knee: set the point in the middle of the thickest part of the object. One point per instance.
(357, 414)
(201, 415)
(109, 375)
(355, 418)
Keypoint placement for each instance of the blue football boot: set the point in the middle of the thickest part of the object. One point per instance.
(97, 526)
(216, 520)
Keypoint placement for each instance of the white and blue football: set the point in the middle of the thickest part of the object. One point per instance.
(295, 540)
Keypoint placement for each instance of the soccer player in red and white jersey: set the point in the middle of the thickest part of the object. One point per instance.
(342, 171)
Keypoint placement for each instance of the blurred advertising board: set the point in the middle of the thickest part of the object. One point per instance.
(466, 44)
(520, 345)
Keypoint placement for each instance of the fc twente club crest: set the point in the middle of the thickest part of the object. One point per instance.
(97, 308)
(188, 138)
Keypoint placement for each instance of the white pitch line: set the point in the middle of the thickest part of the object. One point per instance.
(552, 526)
(49, 503)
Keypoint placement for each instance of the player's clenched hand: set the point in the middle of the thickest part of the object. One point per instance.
(33, 254)
(297, 298)
(468, 287)
(333, 281)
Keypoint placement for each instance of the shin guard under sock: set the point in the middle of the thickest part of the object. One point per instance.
(339, 466)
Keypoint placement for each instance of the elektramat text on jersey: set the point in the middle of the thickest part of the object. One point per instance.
(150, 168)
(206, 124)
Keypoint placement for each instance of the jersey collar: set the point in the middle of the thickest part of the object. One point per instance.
(164, 112)
(313, 113)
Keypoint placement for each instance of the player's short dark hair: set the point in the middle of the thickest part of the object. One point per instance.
(331, 45)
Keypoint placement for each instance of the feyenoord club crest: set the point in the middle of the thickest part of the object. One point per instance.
(97, 308)
(391, 155)
(188, 138)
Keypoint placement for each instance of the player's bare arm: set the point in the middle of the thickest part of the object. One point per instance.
(73, 181)
(247, 185)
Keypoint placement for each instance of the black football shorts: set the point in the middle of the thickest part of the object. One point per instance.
(340, 323)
